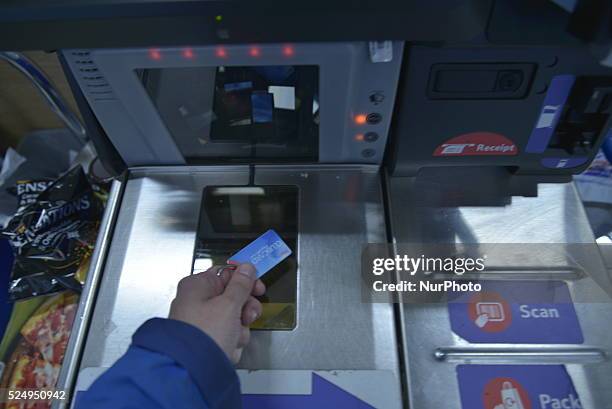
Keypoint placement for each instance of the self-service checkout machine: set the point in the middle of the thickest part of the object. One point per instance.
(243, 139)
(224, 142)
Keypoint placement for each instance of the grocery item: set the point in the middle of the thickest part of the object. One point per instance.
(27, 191)
(37, 350)
(54, 236)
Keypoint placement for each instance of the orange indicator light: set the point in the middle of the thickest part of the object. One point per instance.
(360, 119)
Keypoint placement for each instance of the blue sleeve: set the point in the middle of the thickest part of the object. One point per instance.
(169, 365)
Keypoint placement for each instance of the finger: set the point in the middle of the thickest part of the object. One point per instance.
(245, 336)
(259, 289)
(236, 355)
(251, 311)
(240, 286)
(203, 285)
(225, 273)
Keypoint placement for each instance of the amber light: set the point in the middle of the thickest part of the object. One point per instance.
(360, 119)
(359, 137)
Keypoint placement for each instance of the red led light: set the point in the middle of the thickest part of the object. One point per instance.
(288, 51)
(155, 54)
(360, 119)
(359, 137)
(221, 52)
(254, 52)
(188, 53)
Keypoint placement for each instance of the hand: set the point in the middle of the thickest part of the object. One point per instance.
(221, 306)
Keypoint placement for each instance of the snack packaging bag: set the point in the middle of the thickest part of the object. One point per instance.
(54, 236)
(28, 190)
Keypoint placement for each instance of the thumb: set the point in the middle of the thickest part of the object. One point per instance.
(241, 285)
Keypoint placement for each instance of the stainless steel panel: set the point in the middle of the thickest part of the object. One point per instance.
(150, 251)
(340, 210)
(432, 351)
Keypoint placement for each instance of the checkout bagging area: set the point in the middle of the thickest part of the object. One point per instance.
(445, 148)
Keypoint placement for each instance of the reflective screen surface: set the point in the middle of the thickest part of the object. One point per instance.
(254, 113)
(230, 218)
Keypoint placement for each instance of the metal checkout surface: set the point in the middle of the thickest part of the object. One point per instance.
(469, 133)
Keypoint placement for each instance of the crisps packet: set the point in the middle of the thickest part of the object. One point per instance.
(53, 236)
(28, 190)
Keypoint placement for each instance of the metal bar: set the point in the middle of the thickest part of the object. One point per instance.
(76, 342)
(522, 355)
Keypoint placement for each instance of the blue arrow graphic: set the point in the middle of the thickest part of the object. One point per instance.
(324, 395)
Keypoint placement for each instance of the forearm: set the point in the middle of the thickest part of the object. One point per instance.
(170, 364)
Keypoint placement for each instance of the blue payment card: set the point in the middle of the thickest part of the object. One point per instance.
(264, 252)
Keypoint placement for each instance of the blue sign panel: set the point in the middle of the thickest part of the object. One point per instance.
(516, 387)
(528, 312)
(563, 163)
(324, 395)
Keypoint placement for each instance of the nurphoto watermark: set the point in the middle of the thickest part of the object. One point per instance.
(430, 273)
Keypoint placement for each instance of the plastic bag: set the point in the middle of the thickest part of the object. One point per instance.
(54, 236)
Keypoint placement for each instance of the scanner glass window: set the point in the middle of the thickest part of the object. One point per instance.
(233, 216)
(238, 113)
